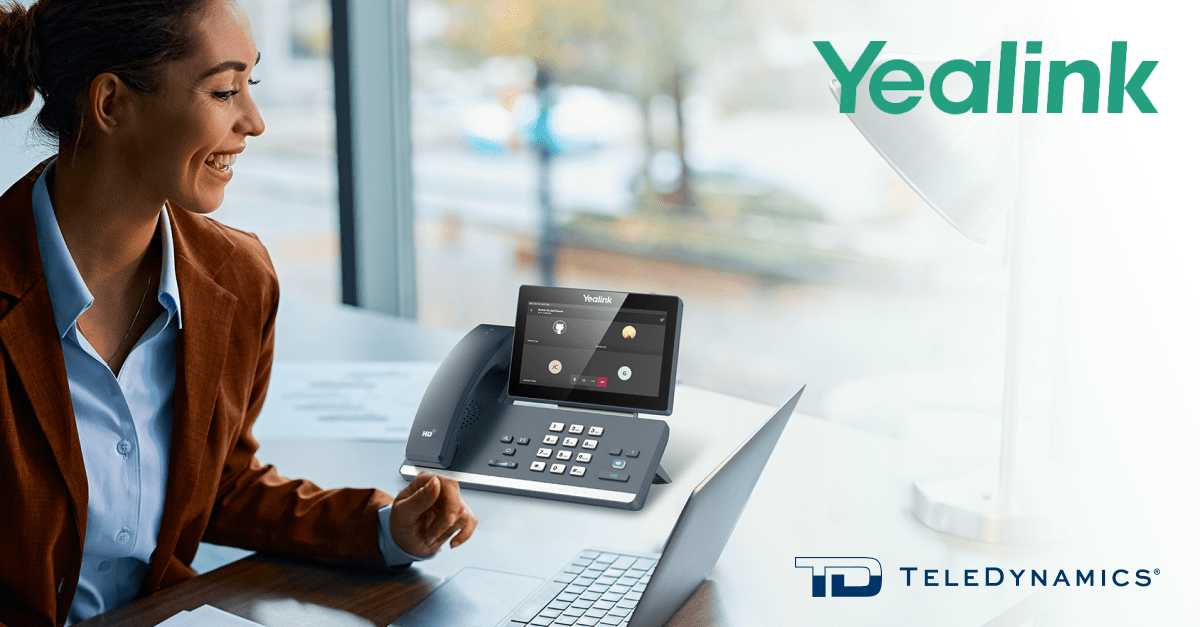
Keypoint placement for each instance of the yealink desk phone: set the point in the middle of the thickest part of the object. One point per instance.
(549, 408)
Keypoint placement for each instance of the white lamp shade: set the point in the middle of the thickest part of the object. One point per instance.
(963, 165)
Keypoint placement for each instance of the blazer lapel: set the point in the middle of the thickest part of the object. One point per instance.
(208, 311)
(30, 339)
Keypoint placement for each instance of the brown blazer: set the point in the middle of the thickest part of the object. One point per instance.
(217, 491)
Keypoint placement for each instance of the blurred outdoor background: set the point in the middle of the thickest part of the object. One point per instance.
(691, 148)
(694, 149)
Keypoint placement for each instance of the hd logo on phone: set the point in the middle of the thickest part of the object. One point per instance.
(837, 568)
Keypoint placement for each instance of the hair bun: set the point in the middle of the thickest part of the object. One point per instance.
(18, 58)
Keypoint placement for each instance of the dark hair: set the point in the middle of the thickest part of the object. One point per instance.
(57, 47)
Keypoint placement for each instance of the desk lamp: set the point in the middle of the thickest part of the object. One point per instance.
(965, 167)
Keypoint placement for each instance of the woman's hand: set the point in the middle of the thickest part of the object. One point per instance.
(427, 512)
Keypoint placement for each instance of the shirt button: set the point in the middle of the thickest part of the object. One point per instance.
(103, 566)
(123, 536)
(124, 446)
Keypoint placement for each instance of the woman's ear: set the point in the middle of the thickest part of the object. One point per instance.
(109, 104)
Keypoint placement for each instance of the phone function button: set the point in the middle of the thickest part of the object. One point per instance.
(522, 441)
(618, 463)
(556, 426)
(619, 477)
(583, 458)
(615, 451)
(506, 439)
(632, 453)
(543, 452)
(577, 471)
(500, 464)
(537, 466)
(589, 444)
(563, 455)
(569, 442)
(558, 469)
(510, 451)
(576, 429)
(596, 431)
(553, 439)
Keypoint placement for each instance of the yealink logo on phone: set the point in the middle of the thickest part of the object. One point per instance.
(604, 300)
(886, 92)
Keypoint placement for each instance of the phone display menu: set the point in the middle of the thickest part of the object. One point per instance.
(596, 348)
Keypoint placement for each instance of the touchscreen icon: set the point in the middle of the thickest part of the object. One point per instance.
(555, 366)
(623, 373)
(559, 327)
(601, 382)
(628, 332)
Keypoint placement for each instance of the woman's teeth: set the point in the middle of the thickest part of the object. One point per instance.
(221, 162)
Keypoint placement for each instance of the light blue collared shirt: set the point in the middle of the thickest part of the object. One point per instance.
(124, 424)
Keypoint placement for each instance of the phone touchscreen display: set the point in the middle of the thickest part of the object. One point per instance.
(599, 348)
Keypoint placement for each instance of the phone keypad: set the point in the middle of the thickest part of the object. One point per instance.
(563, 455)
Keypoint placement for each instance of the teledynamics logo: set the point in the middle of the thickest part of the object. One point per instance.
(980, 74)
(840, 589)
(834, 570)
(995, 576)
(605, 300)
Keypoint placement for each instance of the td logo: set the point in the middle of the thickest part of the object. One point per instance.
(820, 567)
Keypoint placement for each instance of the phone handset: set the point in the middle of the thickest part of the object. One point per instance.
(438, 423)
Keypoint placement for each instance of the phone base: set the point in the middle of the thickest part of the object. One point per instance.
(661, 477)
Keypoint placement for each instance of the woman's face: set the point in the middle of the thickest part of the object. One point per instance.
(186, 136)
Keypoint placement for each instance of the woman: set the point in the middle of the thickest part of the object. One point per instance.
(136, 334)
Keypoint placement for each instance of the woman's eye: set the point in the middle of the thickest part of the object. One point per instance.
(225, 95)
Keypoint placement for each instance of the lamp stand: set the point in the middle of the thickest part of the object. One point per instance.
(1003, 507)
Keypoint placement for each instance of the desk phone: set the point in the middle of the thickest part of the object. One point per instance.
(549, 408)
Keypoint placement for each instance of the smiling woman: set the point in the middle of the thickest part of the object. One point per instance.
(136, 334)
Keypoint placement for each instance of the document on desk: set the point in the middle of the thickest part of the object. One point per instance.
(343, 400)
(207, 616)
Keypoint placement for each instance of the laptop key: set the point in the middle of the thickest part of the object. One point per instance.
(575, 612)
(565, 620)
(628, 604)
(558, 605)
(607, 558)
(610, 596)
(595, 612)
(574, 589)
(618, 611)
(610, 620)
(587, 621)
(644, 564)
(590, 596)
(538, 601)
(541, 621)
(624, 562)
(603, 605)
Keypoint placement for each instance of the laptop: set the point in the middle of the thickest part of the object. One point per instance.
(610, 589)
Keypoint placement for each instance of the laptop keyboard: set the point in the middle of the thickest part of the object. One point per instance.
(595, 589)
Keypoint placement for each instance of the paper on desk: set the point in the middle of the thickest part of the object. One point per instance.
(208, 616)
(343, 400)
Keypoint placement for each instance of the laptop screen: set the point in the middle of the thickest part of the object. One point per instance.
(706, 522)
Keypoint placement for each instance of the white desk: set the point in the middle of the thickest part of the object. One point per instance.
(829, 490)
